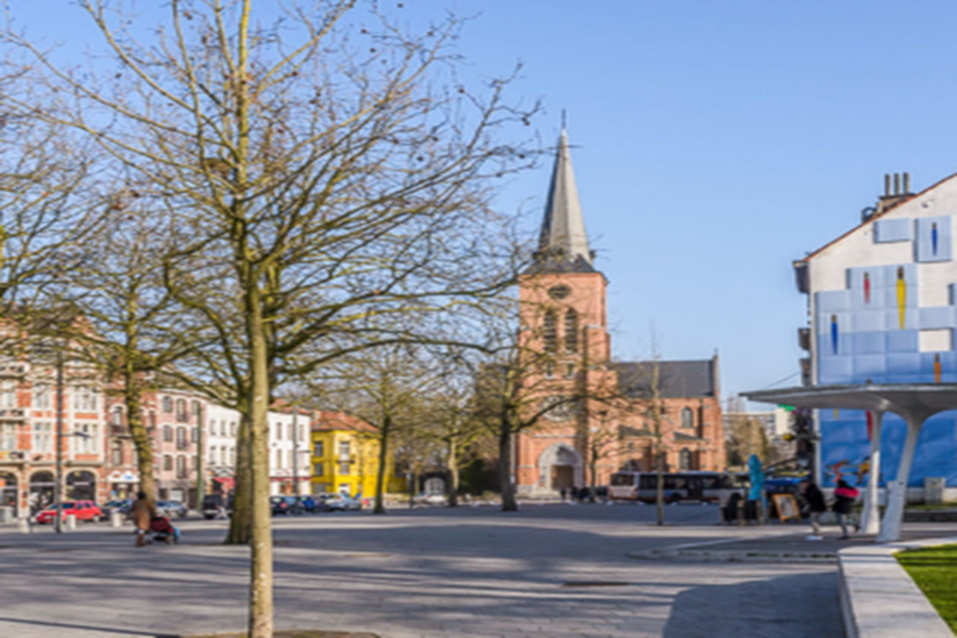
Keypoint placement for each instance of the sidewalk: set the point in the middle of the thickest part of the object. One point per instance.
(785, 544)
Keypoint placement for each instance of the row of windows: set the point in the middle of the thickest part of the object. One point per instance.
(292, 434)
(224, 456)
(179, 406)
(345, 449)
(84, 398)
(345, 468)
(183, 464)
(222, 428)
(85, 437)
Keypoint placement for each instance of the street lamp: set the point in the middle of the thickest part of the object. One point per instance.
(200, 479)
(295, 453)
(58, 484)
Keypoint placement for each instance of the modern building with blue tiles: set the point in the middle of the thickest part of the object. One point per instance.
(882, 310)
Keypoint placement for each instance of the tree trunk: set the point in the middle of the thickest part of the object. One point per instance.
(132, 397)
(379, 507)
(241, 521)
(505, 468)
(261, 576)
(452, 486)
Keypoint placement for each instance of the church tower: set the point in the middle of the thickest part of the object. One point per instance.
(564, 333)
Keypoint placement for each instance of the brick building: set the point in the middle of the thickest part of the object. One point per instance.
(563, 314)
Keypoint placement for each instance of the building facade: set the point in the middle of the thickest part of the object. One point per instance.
(222, 427)
(289, 451)
(566, 352)
(190, 436)
(881, 301)
(30, 437)
(345, 456)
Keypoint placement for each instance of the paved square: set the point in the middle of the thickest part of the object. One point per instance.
(553, 570)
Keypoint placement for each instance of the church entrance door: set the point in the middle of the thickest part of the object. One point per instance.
(563, 477)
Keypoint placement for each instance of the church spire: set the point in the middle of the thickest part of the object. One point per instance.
(563, 243)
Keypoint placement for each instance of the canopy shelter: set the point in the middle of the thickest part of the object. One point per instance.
(913, 402)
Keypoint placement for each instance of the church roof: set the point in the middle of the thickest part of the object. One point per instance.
(563, 244)
(676, 379)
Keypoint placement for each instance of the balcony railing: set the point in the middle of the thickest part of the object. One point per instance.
(13, 413)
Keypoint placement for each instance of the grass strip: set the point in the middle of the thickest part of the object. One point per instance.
(934, 569)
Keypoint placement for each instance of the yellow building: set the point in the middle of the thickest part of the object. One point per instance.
(345, 456)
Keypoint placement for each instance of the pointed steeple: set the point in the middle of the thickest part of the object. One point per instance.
(563, 244)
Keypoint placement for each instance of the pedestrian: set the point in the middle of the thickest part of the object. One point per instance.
(844, 497)
(816, 505)
(731, 509)
(574, 492)
(564, 493)
(142, 512)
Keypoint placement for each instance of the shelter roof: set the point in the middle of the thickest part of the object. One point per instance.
(904, 399)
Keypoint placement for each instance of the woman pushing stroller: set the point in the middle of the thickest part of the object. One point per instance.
(150, 526)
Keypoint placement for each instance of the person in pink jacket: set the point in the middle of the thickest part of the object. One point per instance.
(844, 497)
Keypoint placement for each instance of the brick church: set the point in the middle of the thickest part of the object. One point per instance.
(608, 426)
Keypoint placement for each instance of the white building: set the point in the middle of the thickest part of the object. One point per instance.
(289, 452)
(222, 426)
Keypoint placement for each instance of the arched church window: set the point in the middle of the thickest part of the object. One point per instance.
(684, 459)
(550, 326)
(687, 418)
(571, 330)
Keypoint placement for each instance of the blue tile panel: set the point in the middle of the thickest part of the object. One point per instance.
(864, 323)
(889, 230)
(933, 242)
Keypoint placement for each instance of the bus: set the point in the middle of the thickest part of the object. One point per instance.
(678, 486)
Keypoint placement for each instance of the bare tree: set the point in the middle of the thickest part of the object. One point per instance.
(310, 195)
(114, 283)
(386, 387)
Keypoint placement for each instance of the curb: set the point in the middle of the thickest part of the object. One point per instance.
(741, 556)
(878, 597)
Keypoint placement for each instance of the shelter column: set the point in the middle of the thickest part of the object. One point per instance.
(870, 518)
(897, 490)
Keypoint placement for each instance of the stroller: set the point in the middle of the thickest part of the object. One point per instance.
(163, 531)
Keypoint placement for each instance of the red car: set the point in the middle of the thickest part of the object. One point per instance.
(83, 510)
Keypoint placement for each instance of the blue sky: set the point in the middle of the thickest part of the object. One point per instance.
(715, 143)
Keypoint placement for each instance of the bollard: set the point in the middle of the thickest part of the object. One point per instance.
(71, 522)
(23, 525)
(116, 519)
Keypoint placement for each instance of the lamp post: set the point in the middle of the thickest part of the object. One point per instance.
(58, 484)
(200, 479)
(295, 453)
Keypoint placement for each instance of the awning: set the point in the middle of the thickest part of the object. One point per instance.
(226, 481)
(903, 399)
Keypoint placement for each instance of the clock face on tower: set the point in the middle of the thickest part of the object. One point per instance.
(559, 292)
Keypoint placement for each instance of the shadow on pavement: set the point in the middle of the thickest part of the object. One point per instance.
(61, 625)
(788, 605)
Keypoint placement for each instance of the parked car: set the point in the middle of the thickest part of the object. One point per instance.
(432, 499)
(172, 509)
(123, 506)
(215, 506)
(82, 510)
(340, 502)
(285, 505)
(312, 505)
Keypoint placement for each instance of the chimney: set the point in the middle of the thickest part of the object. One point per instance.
(896, 189)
